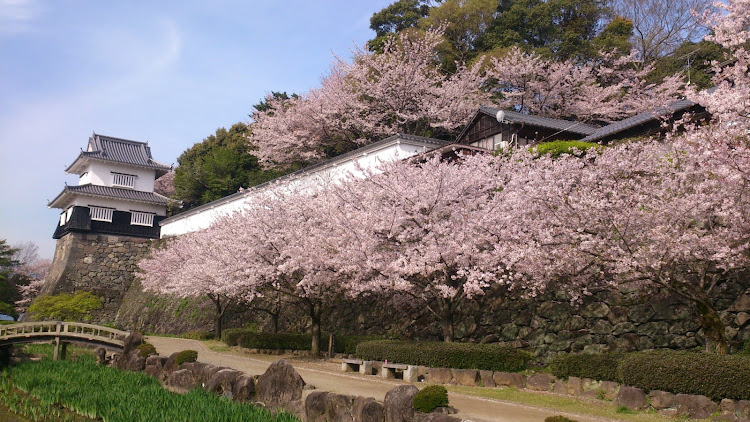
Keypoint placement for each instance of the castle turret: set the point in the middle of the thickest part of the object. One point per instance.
(107, 222)
(115, 191)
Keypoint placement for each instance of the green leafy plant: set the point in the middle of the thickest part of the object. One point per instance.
(147, 349)
(491, 357)
(65, 307)
(186, 356)
(430, 398)
(557, 148)
(9, 310)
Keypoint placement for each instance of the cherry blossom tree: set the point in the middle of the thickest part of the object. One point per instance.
(610, 89)
(165, 185)
(36, 273)
(373, 96)
(418, 230)
(648, 215)
(196, 265)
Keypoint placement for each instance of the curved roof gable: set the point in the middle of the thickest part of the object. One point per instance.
(117, 150)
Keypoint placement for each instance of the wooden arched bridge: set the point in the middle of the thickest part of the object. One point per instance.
(62, 333)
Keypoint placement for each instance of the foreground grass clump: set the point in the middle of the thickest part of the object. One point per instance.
(109, 394)
(430, 398)
(491, 357)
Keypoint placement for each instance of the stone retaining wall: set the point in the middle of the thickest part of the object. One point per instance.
(102, 264)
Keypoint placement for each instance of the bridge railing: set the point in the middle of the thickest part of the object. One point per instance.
(62, 329)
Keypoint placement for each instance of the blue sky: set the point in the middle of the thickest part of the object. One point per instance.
(169, 73)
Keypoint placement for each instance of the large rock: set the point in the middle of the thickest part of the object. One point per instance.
(486, 378)
(440, 376)
(156, 360)
(695, 406)
(315, 406)
(632, 398)
(467, 377)
(244, 388)
(540, 382)
(366, 409)
(132, 341)
(222, 382)
(338, 407)
(661, 399)
(509, 379)
(182, 378)
(742, 409)
(279, 385)
(135, 362)
(399, 404)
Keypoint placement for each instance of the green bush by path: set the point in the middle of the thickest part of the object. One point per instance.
(598, 366)
(491, 357)
(714, 376)
(186, 356)
(65, 307)
(108, 394)
(147, 349)
(430, 398)
(558, 419)
(231, 336)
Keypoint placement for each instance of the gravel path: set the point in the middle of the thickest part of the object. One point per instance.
(327, 377)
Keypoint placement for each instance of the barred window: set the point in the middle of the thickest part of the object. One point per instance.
(101, 213)
(138, 218)
(124, 180)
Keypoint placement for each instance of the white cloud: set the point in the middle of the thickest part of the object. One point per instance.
(16, 15)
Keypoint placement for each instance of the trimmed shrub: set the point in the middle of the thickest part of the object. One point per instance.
(557, 148)
(186, 356)
(277, 341)
(199, 335)
(7, 309)
(558, 419)
(490, 357)
(348, 344)
(65, 307)
(430, 398)
(711, 375)
(231, 336)
(146, 349)
(598, 366)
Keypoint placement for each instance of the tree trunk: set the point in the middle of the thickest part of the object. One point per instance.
(219, 315)
(446, 325)
(713, 328)
(275, 321)
(315, 346)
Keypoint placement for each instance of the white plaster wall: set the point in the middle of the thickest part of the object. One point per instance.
(369, 159)
(119, 205)
(100, 173)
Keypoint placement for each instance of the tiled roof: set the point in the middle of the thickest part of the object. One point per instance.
(111, 192)
(546, 122)
(638, 119)
(332, 161)
(118, 150)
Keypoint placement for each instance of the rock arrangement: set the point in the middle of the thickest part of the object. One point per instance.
(280, 387)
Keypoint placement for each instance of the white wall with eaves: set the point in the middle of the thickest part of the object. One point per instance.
(100, 173)
(369, 158)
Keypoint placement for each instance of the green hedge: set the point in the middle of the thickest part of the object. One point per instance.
(714, 376)
(491, 357)
(289, 341)
(598, 366)
(348, 344)
(231, 336)
(430, 398)
(557, 148)
(277, 341)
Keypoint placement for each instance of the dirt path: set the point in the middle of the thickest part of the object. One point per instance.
(326, 377)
